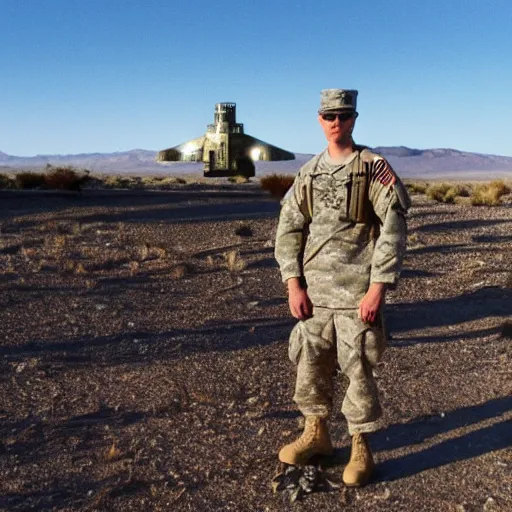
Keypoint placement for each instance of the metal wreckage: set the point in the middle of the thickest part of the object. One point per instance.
(225, 149)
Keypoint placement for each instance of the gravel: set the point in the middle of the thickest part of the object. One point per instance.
(139, 373)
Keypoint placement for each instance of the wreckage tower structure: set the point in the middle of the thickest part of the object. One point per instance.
(225, 149)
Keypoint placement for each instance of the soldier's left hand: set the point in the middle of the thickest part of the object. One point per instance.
(371, 303)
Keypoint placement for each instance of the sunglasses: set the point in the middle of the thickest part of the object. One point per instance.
(341, 117)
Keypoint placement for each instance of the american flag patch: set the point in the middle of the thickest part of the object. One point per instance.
(383, 173)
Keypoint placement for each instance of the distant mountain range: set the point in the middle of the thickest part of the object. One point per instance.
(409, 163)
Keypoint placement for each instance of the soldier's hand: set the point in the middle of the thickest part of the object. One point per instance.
(371, 303)
(300, 304)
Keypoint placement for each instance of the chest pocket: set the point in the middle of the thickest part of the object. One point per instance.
(332, 193)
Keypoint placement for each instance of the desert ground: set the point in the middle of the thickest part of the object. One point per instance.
(144, 358)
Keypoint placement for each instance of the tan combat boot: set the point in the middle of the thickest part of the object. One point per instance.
(360, 466)
(313, 441)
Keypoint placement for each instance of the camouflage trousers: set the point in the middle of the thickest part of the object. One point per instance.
(314, 346)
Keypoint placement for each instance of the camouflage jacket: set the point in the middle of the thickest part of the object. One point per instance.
(342, 228)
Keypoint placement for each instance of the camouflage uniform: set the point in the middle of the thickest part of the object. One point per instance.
(342, 226)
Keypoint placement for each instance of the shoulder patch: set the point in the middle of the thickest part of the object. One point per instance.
(382, 172)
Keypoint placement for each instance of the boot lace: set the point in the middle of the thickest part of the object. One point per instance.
(359, 449)
(309, 434)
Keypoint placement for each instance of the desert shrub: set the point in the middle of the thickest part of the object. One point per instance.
(277, 184)
(234, 262)
(464, 190)
(489, 194)
(28, 180)
(438, 191)
(416, 187)
(180, 271)
(445, 193)
(6, 181)
(63, 178)
(239, 179)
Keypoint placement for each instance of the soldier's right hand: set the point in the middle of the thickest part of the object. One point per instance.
(300, 304)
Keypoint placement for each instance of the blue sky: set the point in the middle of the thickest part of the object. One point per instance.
(80, 76)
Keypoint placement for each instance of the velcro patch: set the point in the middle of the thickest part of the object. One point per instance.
(383, 173)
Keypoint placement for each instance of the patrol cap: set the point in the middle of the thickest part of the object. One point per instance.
(338, 100)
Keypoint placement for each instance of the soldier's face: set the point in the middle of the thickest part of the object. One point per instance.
(337, 128)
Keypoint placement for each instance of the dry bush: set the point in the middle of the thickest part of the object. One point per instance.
(164, 183)
(445, 193)
(134, 267)
(158, 252)
(234, 262)
(276, 184)
(239, 179)
(180, 271)
(417, 187)
(118, 182)
(63, 178)
(141, 252)
(489, 194)
(28, 180)
(6, 182)
(80, 269)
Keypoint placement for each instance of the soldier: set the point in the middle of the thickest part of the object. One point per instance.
(340, 243)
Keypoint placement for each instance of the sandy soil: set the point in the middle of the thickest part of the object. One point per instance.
(138, 372)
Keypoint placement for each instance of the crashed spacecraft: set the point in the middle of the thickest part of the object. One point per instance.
(225, 149)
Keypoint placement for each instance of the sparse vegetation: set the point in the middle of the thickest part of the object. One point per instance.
(239, 179)
(64, 178)
(489, 194)
(446, 193)
(416, 187)
(6, 181)
(277, 184)
(29, 180)
(180, 271)
(234, 262)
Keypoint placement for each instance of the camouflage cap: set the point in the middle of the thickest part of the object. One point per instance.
(338, 100)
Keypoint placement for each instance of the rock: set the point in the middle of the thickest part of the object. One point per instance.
(490, 505)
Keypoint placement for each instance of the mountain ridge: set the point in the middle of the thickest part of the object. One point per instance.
(408, 162)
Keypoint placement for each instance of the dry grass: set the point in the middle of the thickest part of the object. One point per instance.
(239, 179)
(234, 262)
(180, 271)
(64, 178)
(6, 182)
(489, 194)
(447, 193)
(276, 184)
(29, 180)
(417, 187)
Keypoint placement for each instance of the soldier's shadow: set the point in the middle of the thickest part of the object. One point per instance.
(477, 442)
(472, 444)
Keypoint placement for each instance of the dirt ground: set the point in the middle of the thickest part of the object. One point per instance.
(144, 359)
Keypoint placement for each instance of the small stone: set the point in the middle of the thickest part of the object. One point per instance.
(490, 505)
(384, 496)
(252, 400)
